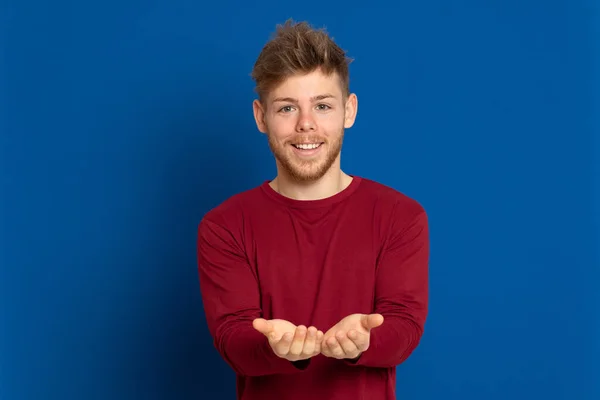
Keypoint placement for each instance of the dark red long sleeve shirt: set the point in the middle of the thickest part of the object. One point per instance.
(363, 250)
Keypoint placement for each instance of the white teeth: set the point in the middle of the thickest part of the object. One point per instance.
(307, 146)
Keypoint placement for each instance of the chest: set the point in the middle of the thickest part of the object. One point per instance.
(316, 268)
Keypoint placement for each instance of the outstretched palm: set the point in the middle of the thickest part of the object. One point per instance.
(351, 336)
(289, 341)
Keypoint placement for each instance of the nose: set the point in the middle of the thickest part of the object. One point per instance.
(306, 122)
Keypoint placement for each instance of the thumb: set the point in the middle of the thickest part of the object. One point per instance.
(370, 321)
(263, 326)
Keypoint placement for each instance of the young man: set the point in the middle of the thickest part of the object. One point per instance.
(315, 283)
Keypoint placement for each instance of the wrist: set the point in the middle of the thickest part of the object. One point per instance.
(301, 364)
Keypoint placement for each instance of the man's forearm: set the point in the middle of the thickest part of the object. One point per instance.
(231, 301)
(248, 351)
(401, 294)
(390, 344)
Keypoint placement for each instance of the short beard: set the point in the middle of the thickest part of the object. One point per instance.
(305, 171)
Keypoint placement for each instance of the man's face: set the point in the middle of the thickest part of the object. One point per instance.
(304, 119)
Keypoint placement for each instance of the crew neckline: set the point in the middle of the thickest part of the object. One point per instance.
(328, 201)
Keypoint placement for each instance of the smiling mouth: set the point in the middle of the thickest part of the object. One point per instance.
(307, 146)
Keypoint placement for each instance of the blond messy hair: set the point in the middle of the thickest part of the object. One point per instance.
(298, 48)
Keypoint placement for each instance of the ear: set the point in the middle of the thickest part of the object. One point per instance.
(351, 109)
(259, 115)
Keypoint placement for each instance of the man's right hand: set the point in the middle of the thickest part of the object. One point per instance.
(294, 343)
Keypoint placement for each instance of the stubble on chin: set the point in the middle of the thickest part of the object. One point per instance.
(305, 170)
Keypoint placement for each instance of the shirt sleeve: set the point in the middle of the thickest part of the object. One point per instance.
(231, 300)
(401, 295)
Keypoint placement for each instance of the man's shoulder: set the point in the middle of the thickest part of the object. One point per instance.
(231, 209)
(394, 208)
(390, 198)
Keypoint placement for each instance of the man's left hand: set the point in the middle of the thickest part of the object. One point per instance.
(350, 337)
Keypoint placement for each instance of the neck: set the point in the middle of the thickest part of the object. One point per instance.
(333, 182)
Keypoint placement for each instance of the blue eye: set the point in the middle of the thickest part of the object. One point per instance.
(286, 109)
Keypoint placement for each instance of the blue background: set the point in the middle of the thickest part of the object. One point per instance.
(122, 123)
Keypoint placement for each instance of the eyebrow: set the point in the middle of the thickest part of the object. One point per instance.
(312, 99)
